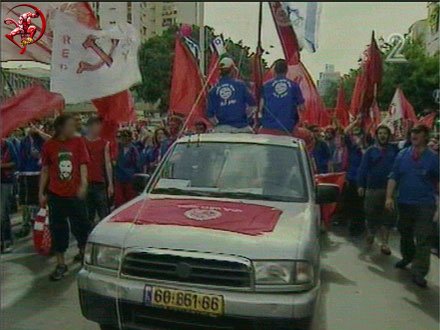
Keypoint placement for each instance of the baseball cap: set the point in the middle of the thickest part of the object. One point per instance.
(226, 63)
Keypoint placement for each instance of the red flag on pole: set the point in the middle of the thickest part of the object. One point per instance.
(114, 109)
(257, 74)
(213, 69)
(368, 80)
(287, 35)
(32, 103)
(342, 108)
(373, 119)
(187, 96)
(118, 107)
(357, 95)
(428, 120)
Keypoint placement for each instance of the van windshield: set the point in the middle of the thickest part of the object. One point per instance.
(233, 170)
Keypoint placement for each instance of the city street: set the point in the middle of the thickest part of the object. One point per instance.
(360, 290)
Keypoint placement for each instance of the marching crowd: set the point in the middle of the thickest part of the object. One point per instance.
(66, 165)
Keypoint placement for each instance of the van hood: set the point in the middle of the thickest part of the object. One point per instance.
(249, 228)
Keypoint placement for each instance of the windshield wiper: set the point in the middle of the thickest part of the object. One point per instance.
(178, 191)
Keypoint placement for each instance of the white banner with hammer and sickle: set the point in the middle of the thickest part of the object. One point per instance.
(89, 64)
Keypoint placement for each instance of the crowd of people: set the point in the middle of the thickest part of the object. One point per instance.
(66, 164)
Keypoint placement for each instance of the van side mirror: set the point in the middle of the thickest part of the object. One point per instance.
(327, 193)
(140, 182)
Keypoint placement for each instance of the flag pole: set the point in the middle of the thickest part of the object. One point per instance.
(260, 24)
(258, 55)
(201, 13)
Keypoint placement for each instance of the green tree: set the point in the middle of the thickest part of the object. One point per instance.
(329, 97)
(417, 78)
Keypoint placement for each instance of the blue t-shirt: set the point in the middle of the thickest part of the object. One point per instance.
(228, 100)
(30, 153)
(376, 166)
(281, 97)
(127, 163)
(355, 155)
(417, 179)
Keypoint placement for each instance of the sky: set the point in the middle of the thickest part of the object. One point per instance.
(345, 28)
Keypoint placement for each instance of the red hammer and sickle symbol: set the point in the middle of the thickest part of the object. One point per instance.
(105, 58)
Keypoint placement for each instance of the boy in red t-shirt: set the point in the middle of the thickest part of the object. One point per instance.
(99, 171)
(63, 186)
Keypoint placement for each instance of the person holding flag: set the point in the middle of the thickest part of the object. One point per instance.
(230, 102)
(281, 101)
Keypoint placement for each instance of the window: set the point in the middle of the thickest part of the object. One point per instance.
(112, 22)
(235, 170)
(167, 22)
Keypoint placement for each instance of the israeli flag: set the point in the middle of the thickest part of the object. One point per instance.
(193, 46)
(304, 17)
(218, 45)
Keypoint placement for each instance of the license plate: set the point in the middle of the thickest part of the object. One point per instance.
(187, 301)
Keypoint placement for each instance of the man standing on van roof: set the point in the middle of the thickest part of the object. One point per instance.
(230, 102)
(281, 101)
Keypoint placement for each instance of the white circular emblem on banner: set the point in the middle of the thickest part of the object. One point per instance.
(225, 92)
(202, 214)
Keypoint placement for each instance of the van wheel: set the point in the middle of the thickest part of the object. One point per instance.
(108, 327)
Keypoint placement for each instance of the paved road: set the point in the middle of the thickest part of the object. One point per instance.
(360, 290)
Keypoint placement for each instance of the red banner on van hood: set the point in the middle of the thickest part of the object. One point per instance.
(248, 219)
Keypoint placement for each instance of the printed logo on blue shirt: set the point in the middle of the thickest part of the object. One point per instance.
(226, 91)
(280, 88)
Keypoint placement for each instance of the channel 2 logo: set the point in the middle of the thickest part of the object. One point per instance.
(397, 41)
(22, 27)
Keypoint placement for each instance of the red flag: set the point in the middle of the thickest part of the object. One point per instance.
(287, 35)
(428, 120)
(118, 107)
(257, 74)
(114, 109)
(187, 96)
(325, 118)
(213, 69)
(29, 104)
(407, 108)
(334, 178)
(373, 119)
(367, 80)
(341, 110)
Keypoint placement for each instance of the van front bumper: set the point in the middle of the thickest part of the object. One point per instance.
(106, 299)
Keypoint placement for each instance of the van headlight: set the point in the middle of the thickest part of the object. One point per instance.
(283, 272)
(102, 256)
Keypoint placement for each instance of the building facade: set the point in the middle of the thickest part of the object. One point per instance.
(427, 30)
(327, 78)
(150, 18)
